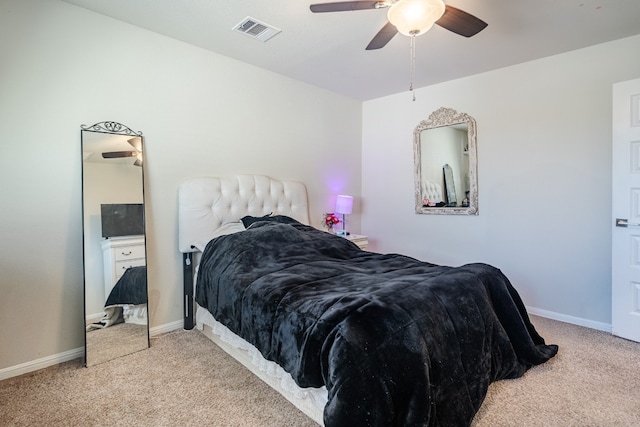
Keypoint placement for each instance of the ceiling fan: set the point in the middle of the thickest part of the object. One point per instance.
(410, 17)
(135, 143)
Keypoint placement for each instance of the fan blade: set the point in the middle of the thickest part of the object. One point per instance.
(118, 154)
(135, 143)
(344, 6)
(383, 37)
(461, 22)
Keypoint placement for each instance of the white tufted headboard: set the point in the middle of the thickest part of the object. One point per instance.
(204, 204)
(432, 191)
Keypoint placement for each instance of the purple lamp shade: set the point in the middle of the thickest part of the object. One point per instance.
(344, 205)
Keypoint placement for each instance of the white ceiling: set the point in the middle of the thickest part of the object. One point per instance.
(328, 49)
(96, 143)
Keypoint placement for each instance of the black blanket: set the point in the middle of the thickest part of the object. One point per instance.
(396, 341)
(131, 288)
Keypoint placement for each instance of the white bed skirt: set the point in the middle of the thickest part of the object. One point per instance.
(311, 401)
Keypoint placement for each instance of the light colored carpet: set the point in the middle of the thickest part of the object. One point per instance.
(115, 341)
(593, 381)
(184, 379)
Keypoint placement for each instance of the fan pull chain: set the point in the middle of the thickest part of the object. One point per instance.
(412, 66)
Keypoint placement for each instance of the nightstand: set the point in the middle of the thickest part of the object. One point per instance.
(359, 239)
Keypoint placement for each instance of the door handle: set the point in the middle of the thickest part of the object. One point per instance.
(623, 222)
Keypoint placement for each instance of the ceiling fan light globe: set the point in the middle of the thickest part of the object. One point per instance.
(415, 17)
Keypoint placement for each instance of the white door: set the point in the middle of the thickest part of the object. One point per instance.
(625, 264)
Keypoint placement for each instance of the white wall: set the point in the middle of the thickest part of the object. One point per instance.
(544, 168)
(201, 114)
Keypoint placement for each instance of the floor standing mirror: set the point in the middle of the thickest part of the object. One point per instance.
(115, 266)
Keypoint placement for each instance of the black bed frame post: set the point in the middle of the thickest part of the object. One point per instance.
(187, 259)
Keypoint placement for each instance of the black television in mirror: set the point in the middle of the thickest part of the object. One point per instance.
(122, 219)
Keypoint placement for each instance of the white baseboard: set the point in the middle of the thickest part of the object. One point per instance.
(45, 362)
(167, 327)
(94, 318)
(605, 327)
(76, 353)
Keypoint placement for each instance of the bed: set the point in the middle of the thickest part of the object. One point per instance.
(350, 337)
(127, 301)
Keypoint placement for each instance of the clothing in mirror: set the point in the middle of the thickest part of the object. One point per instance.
(445, 164)
(115, 272)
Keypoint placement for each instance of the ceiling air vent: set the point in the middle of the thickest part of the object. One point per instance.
(256, 29)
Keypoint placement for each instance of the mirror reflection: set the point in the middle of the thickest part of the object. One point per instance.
(445, 164)
(115, 275)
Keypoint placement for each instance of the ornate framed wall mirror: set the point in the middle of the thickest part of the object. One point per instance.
(445, 164)
(113, 219)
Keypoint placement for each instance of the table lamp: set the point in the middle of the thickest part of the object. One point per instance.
(344, 206)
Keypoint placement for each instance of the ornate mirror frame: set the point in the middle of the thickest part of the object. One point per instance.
(447, 117)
